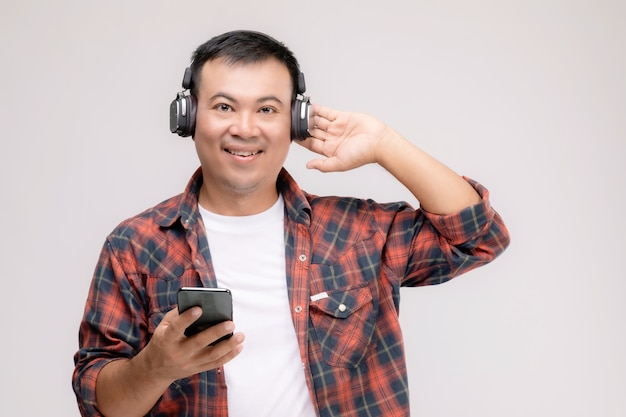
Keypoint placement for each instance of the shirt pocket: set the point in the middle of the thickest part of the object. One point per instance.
(162, 293)
(344, 322)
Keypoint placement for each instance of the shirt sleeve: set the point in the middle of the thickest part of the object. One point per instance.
(445, 246)
(106, 331)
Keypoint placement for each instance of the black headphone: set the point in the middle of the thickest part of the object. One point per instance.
(183, 110)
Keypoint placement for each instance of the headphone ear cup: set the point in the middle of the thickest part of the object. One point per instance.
(183, 115)
(300, 118)
(192, 105)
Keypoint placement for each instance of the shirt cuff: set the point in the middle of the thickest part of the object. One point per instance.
(468, 223)
(86, 389)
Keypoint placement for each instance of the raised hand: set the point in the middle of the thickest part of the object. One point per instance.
(347, 140)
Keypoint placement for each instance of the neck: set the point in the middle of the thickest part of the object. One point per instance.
(236, 204)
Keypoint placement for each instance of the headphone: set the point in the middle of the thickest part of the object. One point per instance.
(184, 106)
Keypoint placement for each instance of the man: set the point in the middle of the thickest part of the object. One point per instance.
(315, 280)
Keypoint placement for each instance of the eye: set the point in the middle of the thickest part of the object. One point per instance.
(223, 107)
(266, 110)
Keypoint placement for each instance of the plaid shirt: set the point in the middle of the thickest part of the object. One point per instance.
(346, 260)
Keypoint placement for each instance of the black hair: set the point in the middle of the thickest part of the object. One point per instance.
(243, 46)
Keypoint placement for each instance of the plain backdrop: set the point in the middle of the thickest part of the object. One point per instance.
(528, 97)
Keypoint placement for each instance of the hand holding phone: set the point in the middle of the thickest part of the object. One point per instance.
(216, 304)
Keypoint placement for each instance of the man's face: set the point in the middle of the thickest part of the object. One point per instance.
(242, 133)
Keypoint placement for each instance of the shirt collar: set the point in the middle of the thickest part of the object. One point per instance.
(297, 205)
(184, 207)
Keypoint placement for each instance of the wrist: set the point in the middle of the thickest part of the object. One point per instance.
(389, 147)
(145, 365)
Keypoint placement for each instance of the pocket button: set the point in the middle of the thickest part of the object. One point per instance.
(342, 307)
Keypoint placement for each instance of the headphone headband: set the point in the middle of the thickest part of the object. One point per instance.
(187, 79)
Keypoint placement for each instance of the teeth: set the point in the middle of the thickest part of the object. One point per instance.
(241, 153)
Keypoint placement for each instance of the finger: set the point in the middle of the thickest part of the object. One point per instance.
(224, 351)
(315, 143)
(179, 322)
(315, 164)
(326, 165)
(233, 347)
(321, 123)
(233, 342)
(214, 333)
(318, 137)
(324, 112)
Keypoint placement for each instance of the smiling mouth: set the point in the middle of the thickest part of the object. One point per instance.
(242, 153)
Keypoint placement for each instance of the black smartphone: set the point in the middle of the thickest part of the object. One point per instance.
(216, 304)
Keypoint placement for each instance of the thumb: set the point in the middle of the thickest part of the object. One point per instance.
(321, 165)
(331, 164)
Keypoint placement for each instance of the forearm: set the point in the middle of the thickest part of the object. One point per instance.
(125, 387)
(438, 189)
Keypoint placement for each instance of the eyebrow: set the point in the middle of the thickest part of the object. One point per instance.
(259, 100)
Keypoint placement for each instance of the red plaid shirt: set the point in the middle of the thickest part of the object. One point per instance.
(355, 251)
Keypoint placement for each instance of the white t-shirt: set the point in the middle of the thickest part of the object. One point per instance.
(248, 252)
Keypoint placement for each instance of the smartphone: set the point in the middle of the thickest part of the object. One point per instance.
(216, 303)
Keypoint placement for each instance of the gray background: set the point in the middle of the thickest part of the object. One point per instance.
(527, 97)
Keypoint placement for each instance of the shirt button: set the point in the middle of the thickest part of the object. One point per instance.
(302, 257)
(298, 309)
(342, 307)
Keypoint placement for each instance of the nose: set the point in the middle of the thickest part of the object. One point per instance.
(244, 125)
